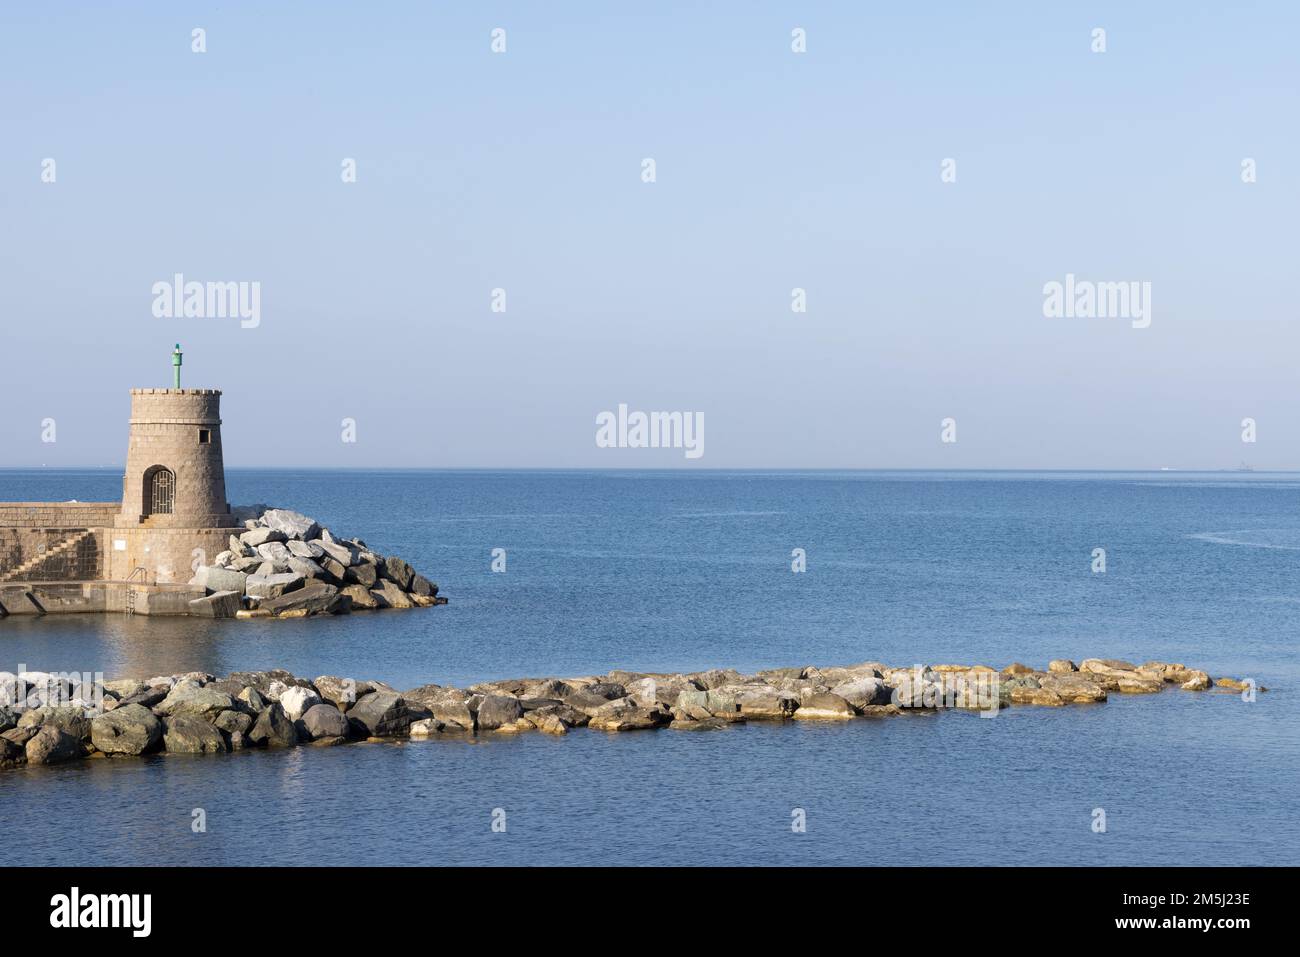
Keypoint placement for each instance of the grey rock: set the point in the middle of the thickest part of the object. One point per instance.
(305, 567)
(260, 536)
(263, 681)
(273, 728)
(292, 524)
(864, 692)
(626, 715)
(398, 572)
(304, 549)
(716, 678)
(334, 571)
(340, 692)
(233, 721)
(569, 717)
(448, 705)
(226, 686)
(381, 713)
(423, 587)
(588, 704)
(67, 718)
(769, 704)
(128, 729)
(497, 710)
(313, 598)
(537, 704)
(324, 721)
(362, 574)
(340, 553)
(219, 579)
(272, 586)
(274, 551)
(220, 604)
(195, 700)
(186, 734)
(51, 745)
(150, 697)
(548, 688)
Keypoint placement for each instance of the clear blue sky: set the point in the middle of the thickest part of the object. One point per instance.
(775, 170)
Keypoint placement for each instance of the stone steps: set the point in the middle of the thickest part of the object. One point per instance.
(14, 574)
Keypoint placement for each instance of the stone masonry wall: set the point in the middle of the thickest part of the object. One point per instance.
(167, 555)
(58, 514)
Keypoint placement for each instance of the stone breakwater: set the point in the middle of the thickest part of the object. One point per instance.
(50, 718)
(286, 565)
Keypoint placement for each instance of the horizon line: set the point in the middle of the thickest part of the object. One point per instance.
(686, 470)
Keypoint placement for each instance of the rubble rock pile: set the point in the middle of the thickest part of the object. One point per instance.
(286, 565)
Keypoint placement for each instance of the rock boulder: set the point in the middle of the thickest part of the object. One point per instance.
(381, 714)
(291, 524)
(129, 729)
(220, 604)
(52, 745)
(273, 728)
(186, 734)
(324, 721)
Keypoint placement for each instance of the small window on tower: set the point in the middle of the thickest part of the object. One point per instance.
(205, 436)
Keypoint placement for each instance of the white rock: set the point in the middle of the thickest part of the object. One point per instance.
(340, 553)
(295, 701)
(274, 551)
(304, 549)
(258, 536)
(292, 524)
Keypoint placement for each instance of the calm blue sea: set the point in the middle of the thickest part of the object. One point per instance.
(673, 571)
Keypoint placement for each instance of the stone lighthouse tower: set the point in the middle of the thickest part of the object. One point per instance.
(174, 489)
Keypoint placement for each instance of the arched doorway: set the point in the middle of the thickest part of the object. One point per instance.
(159, 490)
